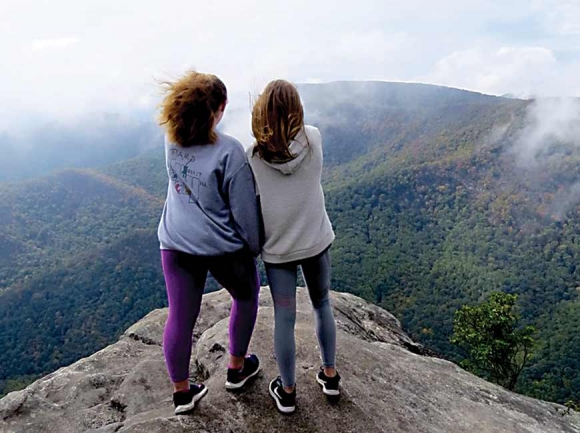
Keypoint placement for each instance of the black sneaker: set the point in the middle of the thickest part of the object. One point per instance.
(184, 401)
(286, 402)
(330, 385)
(238, 378)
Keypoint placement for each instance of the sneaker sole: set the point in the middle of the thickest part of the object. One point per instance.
(184, 408)
(283, 409)
(331, 392)
(233, 386)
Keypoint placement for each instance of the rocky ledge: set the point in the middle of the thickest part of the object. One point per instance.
(389, 384)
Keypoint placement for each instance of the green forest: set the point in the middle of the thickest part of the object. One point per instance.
(430, 209)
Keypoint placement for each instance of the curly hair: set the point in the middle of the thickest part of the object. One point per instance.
(277, 117)
(189, 108)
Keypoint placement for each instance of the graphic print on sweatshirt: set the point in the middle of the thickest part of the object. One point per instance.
(185, 179)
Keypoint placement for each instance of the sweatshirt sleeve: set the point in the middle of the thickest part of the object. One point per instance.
(245, 207)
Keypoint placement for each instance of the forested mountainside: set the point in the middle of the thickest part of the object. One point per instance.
(432, 207)
(78, 260)
(44, 220)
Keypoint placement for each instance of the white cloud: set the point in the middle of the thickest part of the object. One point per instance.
(550, 122)
(362, 46)
(522, 71)
(44, 44)
(551, 130)
(559, 16)
(106, 54)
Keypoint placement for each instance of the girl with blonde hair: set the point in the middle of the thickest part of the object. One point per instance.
(287, 163)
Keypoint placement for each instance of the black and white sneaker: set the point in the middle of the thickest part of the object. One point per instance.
(238, 378)
(184, 401)
(330, 385)
(285, 402)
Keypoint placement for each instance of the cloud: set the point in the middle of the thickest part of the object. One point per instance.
(58, 43)
(358, 46)
(550, 123)
(520, 71)
(559, 16)
(550, 135)
(108, 53)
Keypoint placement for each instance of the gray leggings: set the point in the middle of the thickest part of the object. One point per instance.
(283, 279)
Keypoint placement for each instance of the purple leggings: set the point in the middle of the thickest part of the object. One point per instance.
(185, 276)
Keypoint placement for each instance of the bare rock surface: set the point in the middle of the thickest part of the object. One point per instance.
(389, 385)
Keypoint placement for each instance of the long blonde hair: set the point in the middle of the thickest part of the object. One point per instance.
(277, 117)
(189, 108)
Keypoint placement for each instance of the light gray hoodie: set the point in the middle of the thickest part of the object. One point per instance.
(295, 220)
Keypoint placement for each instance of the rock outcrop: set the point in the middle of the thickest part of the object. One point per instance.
(388, 384)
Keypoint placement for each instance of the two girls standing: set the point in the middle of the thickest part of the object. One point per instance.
(212, 222)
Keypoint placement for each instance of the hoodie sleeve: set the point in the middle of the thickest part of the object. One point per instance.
(244, 204)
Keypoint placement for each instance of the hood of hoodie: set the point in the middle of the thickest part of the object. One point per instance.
(299, 148)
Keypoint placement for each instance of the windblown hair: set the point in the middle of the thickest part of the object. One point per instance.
(189, 108)
(277, 117)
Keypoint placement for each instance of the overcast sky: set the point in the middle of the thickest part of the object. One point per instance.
(63, 57)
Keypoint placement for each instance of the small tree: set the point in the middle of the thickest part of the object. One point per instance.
(498, 347)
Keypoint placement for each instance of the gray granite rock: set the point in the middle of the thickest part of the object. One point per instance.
(389, 384)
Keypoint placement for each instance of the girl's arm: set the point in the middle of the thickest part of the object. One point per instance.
(245, 207)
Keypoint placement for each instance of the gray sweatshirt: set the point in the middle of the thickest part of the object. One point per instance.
(295, 221)
(211, 207)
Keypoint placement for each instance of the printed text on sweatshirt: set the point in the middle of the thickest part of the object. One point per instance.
(211, 207)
